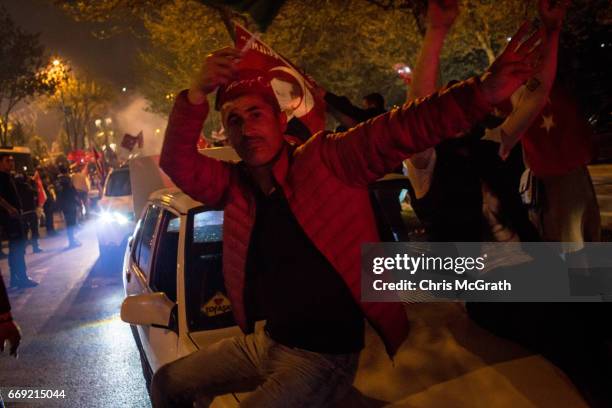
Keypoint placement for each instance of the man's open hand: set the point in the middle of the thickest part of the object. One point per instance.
(442, 13)
(217, 69)
(9, 331)
(519, 62)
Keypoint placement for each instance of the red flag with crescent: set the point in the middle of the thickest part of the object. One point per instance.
(294, 90)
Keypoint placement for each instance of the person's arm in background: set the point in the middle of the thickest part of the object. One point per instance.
(532, 97)
(8, 328)
(376, 147)
(441, 15)
(341, 108)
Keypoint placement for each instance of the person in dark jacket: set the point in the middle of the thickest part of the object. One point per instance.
(68, 201)
(11, 210)
(50, 205)
(28, 193)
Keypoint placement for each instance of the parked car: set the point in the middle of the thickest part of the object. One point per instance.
(23, 158)
(115, 220)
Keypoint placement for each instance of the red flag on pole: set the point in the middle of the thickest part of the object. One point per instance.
(100, 163)
(294, 90)
(42, 196)
(129, 141)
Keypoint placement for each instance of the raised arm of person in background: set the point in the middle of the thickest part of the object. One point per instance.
(341, 108)
(529, 100)
(376, 147)
(441, 15)
(8, 328)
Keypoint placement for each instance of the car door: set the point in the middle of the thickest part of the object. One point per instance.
(142, 253)
(137, 274)
(163, 342)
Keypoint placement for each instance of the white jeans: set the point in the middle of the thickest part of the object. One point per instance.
(279, 376)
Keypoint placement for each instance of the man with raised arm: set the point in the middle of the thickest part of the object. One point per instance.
(294, 222)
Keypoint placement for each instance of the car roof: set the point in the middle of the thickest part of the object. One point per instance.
(174, 198)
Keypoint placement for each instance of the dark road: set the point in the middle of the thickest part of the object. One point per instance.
(73, 338)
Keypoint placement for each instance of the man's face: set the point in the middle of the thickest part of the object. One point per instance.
(7, 164)
(254, 128)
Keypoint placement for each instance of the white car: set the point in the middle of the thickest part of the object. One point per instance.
(173, 281)
(172, 272)
(115, 220)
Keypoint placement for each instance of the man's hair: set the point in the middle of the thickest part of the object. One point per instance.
(375, 99)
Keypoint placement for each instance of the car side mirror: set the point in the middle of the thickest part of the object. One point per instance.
(150, 309)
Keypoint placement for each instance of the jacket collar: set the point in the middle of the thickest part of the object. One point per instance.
(281, 167)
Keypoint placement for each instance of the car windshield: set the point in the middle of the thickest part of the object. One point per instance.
(206, 300)
(118, 184)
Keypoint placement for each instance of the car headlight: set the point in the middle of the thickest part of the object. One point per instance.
(106, 217)
(121, 219)
(114, 216)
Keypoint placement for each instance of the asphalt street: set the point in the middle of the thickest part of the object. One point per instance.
(73, 338)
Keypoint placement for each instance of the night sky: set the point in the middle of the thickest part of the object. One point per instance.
(110, 60)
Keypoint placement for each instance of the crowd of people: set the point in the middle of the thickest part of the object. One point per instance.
(29, 202)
